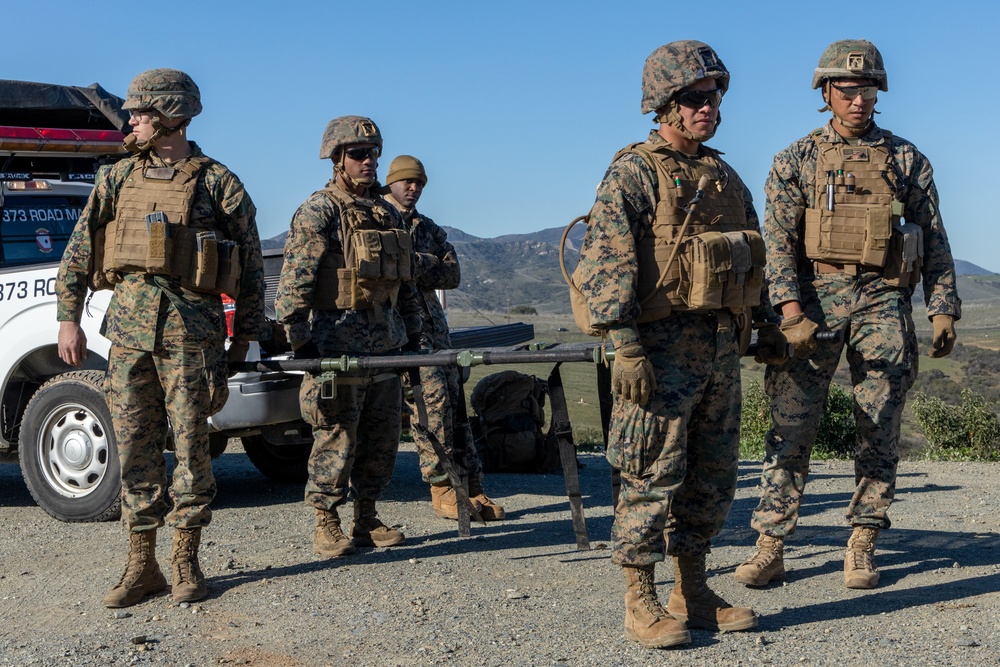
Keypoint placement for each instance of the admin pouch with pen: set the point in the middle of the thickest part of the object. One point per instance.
(857, 217)
(697, 255)
(375, 262)
(153, 233)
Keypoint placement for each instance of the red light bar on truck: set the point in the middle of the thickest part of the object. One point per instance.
(54, 140)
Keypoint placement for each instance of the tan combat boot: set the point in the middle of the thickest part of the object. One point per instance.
(490, 511)
(329, 540)
(766, 565)
(859, 564)
(444, 500)
(694, 603)
(369, 531)
(142, 574)
(646, 621)
(187, 580)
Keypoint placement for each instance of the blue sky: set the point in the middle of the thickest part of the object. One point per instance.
(516, 108)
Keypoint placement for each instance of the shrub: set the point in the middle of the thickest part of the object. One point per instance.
(524, 310)
(970, 431)
(837, 428)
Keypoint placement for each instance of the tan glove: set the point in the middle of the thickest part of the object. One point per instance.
(772, 346)
(632, 375)
(800, 331)
(944, 336)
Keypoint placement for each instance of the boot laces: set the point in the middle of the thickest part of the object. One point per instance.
(332, 528)
(696, 586)
(138, 555)
(862, 550)
(647, 591)
(767, 551)
(186, 559)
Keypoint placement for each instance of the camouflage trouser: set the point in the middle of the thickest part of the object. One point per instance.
(882, 355)
(679, 453)
(184, 383)
(355, 439)
(441, 395)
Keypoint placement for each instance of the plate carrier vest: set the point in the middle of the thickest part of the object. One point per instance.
(720, 261)
(153, 233)
(857, 218)
(376, 257)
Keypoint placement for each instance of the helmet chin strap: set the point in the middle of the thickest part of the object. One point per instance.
(338, 167)
(673, 118)
(133, 145)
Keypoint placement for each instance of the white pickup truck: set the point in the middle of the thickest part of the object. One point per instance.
(54, 418)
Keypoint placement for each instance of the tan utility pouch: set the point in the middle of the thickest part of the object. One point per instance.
(336, 287)
(722, 270)
(383, 261)
(905, 256)
(878, 231)
(99, 279)
(206, 264)
(852, 234)
(159, 245)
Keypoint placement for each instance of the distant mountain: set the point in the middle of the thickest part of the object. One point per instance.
(964, 268)
(523, 269)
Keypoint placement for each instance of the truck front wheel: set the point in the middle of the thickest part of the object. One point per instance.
(68, 451)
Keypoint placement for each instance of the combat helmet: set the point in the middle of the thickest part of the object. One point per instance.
(347, 130)
(851, 59)
(169, 91)
(677, 65)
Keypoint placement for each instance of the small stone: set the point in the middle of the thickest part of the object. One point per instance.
(414, 561)
(514, 594)
(122, 614)
(139, 639)
(185, 605)
(956, 565)
(967, 642)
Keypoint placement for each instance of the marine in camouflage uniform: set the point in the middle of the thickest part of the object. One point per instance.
(356, 432)
(436, 268)
(822, 288)
(675, 421)
(167, 368)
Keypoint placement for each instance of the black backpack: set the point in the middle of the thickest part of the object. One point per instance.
(508, 429)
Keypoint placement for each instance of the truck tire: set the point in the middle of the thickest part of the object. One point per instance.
(68, 451)
(288, 464)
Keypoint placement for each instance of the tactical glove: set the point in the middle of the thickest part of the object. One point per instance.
(307, 351)
(632, 375)
(772, 346)
(800, 332)
(416, 341)
(944, 335)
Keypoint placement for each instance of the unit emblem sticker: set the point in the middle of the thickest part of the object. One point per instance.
(855, 154)
(43, 240)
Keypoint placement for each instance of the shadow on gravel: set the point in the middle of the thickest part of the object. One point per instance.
(901, 554)
(13, 492)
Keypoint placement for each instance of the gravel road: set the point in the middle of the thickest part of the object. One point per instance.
(515, 593)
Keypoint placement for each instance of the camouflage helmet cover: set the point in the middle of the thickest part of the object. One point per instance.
(851, 59)
(347, 130)
(677, 65)
(169, 91)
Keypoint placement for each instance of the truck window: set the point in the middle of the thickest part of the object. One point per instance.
(35, 229)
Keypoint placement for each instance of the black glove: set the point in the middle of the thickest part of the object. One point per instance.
(307, 351)
(772, 346)
(413, 342)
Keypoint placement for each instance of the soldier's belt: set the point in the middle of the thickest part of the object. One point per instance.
(329, 380)
(852, 269)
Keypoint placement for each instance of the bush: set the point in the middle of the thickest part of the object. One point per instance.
(970, 431)
(837, 428)
(524, 310)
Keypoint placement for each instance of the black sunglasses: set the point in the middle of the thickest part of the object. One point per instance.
(696, 99)
(362, 154)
